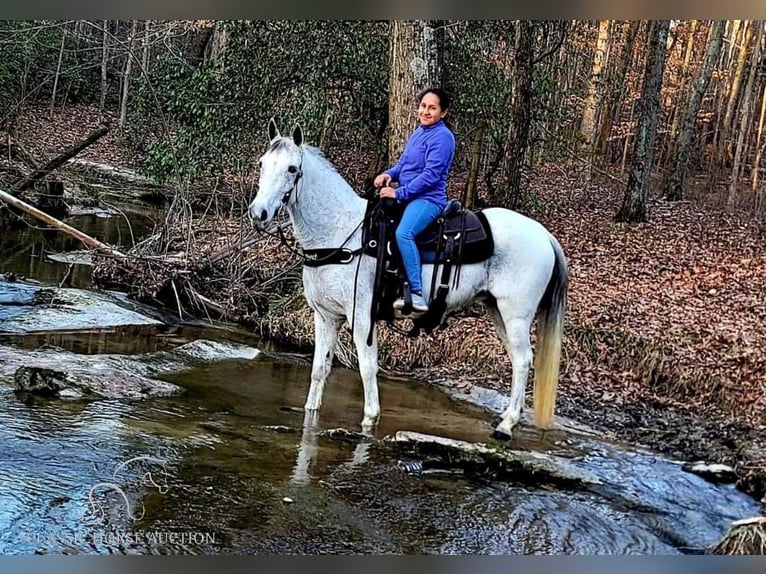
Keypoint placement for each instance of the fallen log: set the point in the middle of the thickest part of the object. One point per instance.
(89, 241)
(59, 160)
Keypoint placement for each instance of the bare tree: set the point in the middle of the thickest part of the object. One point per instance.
(759, 150)
(675, 184)
(683, 88)
(595, 87)
(104, 64)
(725, 147)
(745, 119)
(58, 70)
(616, 87)
(127, 74)
(521, 115)
(633, 207)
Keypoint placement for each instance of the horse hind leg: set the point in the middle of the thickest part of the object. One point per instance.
(325, 336)
(368, 370)
(513, 331)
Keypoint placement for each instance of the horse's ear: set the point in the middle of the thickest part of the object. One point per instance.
(273, 131)
(297, 135)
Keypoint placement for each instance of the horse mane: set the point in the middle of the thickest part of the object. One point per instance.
(321, 158)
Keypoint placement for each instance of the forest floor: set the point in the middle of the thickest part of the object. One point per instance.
(666, 321)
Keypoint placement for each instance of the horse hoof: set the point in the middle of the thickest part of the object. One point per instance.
(500, 435)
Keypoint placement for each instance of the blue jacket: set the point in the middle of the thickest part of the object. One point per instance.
(425, 163)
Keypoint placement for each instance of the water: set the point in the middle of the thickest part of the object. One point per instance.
(233, 447)
(230, 466)
(26, 243)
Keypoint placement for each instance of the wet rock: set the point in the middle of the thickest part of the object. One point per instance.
(52, 383)
(54, 372)
(528, 467)
(28, 308)
(410, 466)
(279, 429)
(344, 435)
(204, 350)
(46, 383)
(714, 472)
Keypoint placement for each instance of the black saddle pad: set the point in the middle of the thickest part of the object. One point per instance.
(458, 235)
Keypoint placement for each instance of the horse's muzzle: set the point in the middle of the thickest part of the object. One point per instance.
(258, 217)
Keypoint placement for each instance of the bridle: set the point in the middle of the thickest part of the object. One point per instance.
(315, 257)
(297, 178)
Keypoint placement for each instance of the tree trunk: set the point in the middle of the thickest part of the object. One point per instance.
(758, 150)
(126, 75)
(746, 113)
(58, 71)
(521, 116)
(414, 64)
(595, 88)
(615, 89)
(675, 186)
(146, 46)
(59, 160)
(681, 96)
(725, 146)
(473, 175)
(218, 42)
(60, 225)
(633, 207)
(104, 59)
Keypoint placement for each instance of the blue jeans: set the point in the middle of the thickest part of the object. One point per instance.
(418, 215)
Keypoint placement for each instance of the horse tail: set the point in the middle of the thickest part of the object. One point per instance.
(550, 330)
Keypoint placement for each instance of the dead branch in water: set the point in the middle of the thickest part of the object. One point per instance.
(60, 225)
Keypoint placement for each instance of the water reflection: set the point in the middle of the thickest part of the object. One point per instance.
(25, 243)
(242, 473)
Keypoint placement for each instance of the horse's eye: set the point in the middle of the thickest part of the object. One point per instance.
(292, 169)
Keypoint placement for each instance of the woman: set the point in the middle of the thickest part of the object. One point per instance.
(421, 173)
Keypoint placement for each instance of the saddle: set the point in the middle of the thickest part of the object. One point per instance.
(456, 237)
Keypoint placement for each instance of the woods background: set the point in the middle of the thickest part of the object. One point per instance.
(638, 143)
(192, 97)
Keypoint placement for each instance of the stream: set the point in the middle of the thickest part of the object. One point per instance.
(232, 466)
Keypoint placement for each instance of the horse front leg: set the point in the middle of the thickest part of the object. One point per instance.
(325, 337)
(368, 370)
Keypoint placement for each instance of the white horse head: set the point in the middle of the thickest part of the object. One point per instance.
(281, 171)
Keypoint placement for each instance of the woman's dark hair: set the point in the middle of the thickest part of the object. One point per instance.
(444, 98)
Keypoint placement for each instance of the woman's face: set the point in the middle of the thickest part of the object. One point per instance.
(430, 109)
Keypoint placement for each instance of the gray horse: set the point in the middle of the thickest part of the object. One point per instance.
(526, 277)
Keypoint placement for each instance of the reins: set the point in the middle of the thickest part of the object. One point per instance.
(325, 256)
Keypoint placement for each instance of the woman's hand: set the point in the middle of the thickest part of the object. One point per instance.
(382, 180)
(387, 193)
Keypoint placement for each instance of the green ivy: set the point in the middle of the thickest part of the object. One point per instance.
(202, 120)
